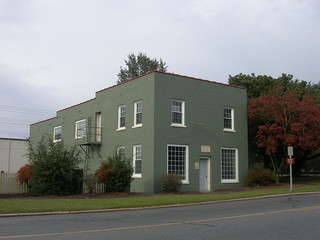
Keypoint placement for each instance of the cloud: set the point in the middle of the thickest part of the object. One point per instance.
(70, 49)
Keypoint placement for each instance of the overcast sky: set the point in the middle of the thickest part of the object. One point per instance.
(57, 53)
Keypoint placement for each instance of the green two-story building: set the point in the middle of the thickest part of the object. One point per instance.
(166, 123)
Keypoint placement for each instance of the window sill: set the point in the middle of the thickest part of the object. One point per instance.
(79, 137)
(230, 181)
(55, 141)
(136, 176)
(178, 125)
(121, 129)
(229, 130)
(137, 126)
(185, 182)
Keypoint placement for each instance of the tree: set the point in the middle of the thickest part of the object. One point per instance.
(262, 84)
(138, 65)
(54, 168)
(258, 85)
(286, 121)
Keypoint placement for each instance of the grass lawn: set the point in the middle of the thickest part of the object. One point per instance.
(62, 204)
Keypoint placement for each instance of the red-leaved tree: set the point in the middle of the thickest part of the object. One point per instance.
(25, 173)
(286, 121)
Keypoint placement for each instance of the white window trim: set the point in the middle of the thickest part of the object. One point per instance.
(135, 115)
(119, 115)
(136, 175)
(76, 130)
(186, 180)
(236, 180)
(182, 125)
(54, 130)
(232, 120)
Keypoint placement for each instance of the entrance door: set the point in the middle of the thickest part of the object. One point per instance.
(204, 174)
(98, 127)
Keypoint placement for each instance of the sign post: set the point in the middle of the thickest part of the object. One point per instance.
(290, 161)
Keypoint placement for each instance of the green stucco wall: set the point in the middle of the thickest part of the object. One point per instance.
(204, 103)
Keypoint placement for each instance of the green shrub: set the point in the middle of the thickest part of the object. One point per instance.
(54, 168)
(259, 176)
(90, 180)
(115, 174)
(170, 183)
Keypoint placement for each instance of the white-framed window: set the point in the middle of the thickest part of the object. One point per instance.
(177, 113)
(80, 128)
(178, 161)
(57, 131)
(137, 161)
(229, 165)
(228, 119)
(122, 117)
(121, 152)
(137, 114)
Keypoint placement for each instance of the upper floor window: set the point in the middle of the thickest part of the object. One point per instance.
(177, 113)
(80, 128)
(57, 134)
(138, 114)
(137, 161)
(228, 119)
(122, 117)
(229, 165)
(98, 127)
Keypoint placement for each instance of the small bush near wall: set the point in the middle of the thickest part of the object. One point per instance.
(259, 176)
(115, 174)
(170, 183)
(54, 168)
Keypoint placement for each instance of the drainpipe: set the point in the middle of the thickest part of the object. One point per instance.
(9, 155)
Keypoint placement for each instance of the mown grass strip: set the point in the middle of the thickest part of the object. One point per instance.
(60, 205)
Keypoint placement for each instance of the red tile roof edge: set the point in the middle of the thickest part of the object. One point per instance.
(174, 74)
(42, 121)
(76, 104)
(63, 110)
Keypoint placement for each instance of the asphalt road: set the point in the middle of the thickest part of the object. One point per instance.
(286, 217)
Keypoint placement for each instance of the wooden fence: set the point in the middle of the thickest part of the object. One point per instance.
(10, 185)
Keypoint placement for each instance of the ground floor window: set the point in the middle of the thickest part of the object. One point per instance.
(229, 165)
(121, 152)
(137, 161)
(177, 161)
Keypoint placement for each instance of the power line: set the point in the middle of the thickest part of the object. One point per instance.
(5, 108)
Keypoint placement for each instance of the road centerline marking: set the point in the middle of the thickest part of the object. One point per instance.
(162, 224)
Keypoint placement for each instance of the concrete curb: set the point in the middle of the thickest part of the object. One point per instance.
(146, 208)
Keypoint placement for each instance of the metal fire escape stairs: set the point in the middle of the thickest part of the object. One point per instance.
(91, 142)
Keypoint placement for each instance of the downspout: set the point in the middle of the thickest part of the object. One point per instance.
(9, 155)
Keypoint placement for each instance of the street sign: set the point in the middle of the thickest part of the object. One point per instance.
(290, 151)
(290, 160)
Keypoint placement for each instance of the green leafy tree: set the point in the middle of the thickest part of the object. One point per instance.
(138, 65)
(262, 84)
(115, 173)
(258, 85)
(54, 168)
